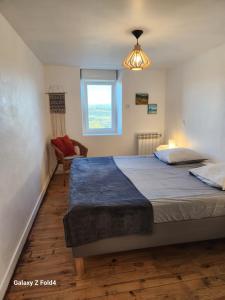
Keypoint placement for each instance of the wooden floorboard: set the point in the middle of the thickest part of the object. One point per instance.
(188, 271)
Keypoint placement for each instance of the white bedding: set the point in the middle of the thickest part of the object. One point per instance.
(174, 193)
(212, 174)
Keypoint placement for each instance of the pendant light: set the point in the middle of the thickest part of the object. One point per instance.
(137, 59)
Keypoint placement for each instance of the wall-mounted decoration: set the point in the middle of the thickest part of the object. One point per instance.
(57, 103)
(141, 99)
(57, 109)
(152, 108)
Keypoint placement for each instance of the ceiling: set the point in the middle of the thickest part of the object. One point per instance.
(96, 33)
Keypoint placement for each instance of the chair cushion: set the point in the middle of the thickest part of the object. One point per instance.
(69, 146)
(65, 145)
(58, 142)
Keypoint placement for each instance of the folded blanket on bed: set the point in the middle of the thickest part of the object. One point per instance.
(103, 203)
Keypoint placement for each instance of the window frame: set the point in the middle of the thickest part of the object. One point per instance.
(98, 131)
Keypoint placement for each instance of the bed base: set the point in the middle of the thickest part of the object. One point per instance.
(79, 266)
(163, 234)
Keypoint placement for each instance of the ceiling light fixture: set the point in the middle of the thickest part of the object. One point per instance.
(137, 59)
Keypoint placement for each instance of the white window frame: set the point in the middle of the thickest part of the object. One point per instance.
(98, 131)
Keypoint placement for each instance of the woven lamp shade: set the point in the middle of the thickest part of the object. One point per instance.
(137, 59)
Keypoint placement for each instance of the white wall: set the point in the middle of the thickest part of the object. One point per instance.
(135, 118)
(24, 132)
(195, 103)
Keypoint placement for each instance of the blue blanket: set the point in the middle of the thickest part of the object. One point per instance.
(103, 203)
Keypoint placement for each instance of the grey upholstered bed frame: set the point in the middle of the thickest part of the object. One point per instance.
(163, 234)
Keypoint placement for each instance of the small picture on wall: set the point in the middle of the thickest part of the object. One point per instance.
(152, 108)
(141, 99)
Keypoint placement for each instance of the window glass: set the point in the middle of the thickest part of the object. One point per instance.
(99, 98)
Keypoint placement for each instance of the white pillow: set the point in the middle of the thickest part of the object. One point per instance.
(179, 155)
(212, 174)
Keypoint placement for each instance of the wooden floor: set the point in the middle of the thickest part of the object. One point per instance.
(190, 271)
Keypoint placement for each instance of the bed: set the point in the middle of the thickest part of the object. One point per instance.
(154, 204)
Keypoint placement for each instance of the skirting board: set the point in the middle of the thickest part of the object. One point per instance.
(9, 272)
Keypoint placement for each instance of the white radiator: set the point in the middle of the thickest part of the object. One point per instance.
(148, 142)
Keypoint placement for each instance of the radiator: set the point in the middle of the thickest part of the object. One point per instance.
(148, 142)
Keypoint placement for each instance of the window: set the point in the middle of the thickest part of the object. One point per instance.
(100, 107)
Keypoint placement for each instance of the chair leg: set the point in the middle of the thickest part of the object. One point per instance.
(64, 174)
(64, 179)
(66, 167)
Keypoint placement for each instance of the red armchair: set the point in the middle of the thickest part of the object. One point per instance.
(66, 160)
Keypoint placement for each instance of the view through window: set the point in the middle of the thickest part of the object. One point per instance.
(99, 100)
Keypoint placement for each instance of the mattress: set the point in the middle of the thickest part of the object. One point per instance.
(174, 194)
